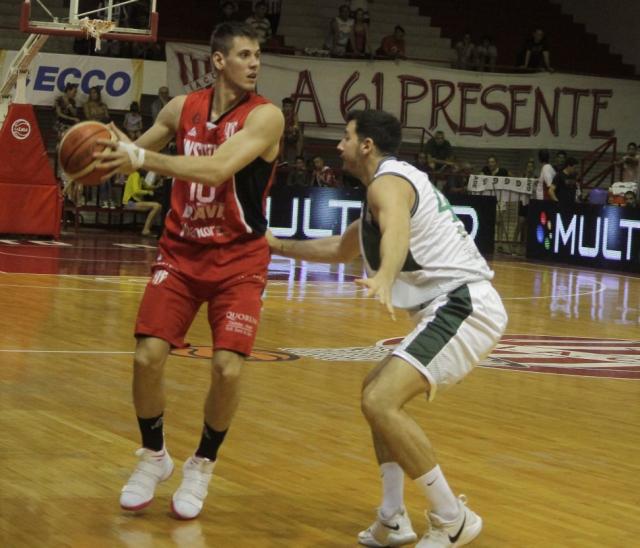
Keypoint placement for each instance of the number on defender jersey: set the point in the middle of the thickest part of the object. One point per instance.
(444, 205)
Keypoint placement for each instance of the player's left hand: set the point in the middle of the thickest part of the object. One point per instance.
(115, 158)
(380, 288)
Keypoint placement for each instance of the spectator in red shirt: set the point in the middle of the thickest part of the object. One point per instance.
(392, 46)
(323, 175)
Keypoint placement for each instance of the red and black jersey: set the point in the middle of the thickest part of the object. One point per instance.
(229, 218)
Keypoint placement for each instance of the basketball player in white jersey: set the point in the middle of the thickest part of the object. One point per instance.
(420, 258)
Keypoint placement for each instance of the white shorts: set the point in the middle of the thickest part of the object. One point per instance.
(454, 332)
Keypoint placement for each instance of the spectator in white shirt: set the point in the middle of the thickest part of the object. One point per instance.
(547, 173)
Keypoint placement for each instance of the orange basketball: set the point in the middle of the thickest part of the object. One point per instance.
(76, 152)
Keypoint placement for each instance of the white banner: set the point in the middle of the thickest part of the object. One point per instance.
(489, 110)
(120, 79)
(484, 183)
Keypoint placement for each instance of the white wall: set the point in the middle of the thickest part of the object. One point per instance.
(615, 22)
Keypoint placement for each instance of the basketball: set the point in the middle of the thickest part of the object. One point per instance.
(76, 152)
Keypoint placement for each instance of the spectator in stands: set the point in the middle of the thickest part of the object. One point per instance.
(298, 176)
(393, 46)
(439, 154)
(456, 181)
(630, 199)
(560, 160)
(292, 138)
(493, 168)
(134, 199)
(160, 101)
(466, 51)
(66, 109)
(422, 162)
(228, 13)
(547, 173)
(133, 121)
(339, 32)
(530, 169)
(273, 13)
(536, 52)
(486, 54)
(563, 188)
(355, 5)
(629, 163)
(260, 23)
(95, 108)
(359, 45)
(323, 175)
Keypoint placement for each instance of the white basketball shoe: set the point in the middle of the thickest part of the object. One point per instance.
(451, 534)
(394, 531)
(188, 500)
(152, 468)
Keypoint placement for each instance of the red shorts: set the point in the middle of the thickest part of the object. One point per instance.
(171, 301)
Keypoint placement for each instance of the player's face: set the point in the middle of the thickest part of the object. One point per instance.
(349, 148)
(241, 65)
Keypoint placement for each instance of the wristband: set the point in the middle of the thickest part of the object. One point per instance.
(136, 154)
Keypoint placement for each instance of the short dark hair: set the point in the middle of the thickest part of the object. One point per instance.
(300, 158)
(382, 128)
(398, 27)
(632, 144)
(561, 152)
(224, 33)
(69, 86)
(570, 162)
(543, 156)
(287, 101)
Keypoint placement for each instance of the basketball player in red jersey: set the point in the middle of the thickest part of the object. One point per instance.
(212, 251)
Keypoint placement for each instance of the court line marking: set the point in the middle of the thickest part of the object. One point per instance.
(33, 351)
(549, 267)
(70, 259)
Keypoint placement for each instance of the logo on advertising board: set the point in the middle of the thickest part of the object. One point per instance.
(21, 129)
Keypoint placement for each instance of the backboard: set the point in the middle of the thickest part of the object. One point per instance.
(135, 20)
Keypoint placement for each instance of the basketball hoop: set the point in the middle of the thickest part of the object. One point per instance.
(96, 28)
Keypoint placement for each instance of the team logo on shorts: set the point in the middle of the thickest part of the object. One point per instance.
(257, 354)
(589, 357)
(159, 276)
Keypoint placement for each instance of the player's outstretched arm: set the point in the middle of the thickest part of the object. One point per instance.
(334, 249)
(260, 137)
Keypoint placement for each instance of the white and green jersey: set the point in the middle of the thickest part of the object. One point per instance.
(441, 256)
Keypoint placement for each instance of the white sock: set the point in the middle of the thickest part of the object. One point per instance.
(435, 487)
(392, 488)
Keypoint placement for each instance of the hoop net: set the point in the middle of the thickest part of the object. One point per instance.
(96, 28)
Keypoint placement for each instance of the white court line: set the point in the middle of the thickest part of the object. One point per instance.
(30, 351)
(71, 259)
(551, 267)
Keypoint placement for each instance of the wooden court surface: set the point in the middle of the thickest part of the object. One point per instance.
(544, 439)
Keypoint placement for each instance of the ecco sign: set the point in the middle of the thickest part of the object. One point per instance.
(52, 78)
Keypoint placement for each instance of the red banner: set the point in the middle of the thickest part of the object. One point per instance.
(30, 201)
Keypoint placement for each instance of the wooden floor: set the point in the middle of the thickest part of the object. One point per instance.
(544, 438)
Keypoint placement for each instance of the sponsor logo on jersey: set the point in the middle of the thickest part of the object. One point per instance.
(159, 276)
(192, 132)
(229, 129)
(196, 148)
(21, 129)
